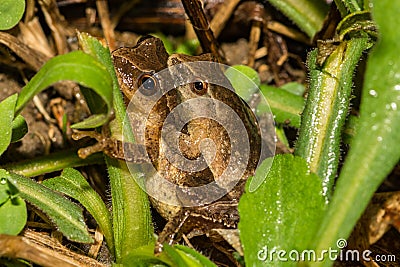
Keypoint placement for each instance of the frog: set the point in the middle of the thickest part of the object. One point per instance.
(189, 214)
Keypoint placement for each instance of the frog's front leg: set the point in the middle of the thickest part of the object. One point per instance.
(112, 147)
(219, 215)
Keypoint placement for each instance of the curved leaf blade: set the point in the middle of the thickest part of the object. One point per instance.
(19, 128)
(78, 67)
(73, 184)
(65, 215)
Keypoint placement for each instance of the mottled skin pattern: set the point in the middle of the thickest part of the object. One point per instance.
(133, 66)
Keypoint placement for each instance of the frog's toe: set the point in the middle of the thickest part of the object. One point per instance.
(77, 135)
(158, 248)
(87, 151)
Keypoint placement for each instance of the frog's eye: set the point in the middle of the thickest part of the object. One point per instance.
(148, 84)
(199, 86)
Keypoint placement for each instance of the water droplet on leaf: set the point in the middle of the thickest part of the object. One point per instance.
(373, 93)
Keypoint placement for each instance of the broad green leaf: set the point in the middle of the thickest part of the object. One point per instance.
(286, 209)
(63, 213)
(244, 80)
(7, 107)
(375, 148)
(73, 184)
(13, 216)
(75, 66)
(11, 12)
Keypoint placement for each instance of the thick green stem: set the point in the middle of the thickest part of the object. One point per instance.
(326, 109)
(374, 150)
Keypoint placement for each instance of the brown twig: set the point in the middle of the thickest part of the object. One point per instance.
(255, 34)
(57, 24)
(218, 22)
(21, 247)
(108, 29)
(209, 43)
(32, 57)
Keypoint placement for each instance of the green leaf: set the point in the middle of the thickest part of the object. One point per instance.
(294, 88)
(13, 216)
(188, 47)
(182, 256)
(375, 149)
(131, 207)
(73, 184)
(75, 66)
(64, 214)
(285, 106)
(175, 257)
(287, 209)
(347, 6)
(11, 12)
(7, 107)
(307, 14)
(171, 256)
(19, 128)
(193, 257)
(245, 80)
(144, 256)
(52, 162)
(4, 194)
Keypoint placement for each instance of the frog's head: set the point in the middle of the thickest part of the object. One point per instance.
(197, 77)
(135, 66)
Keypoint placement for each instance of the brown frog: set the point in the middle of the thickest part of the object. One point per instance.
(190, 137)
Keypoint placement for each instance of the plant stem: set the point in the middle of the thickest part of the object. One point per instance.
(131, 207)
(374, 150)
(53, 162)
(326, 109)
